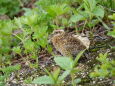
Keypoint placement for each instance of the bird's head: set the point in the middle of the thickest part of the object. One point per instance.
(58, 32)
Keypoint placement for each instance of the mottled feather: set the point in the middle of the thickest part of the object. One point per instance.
(69, 44)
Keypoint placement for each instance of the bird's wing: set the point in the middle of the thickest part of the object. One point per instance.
(73, 45)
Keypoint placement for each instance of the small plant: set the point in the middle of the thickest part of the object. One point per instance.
(67, 64)
(105, 69)
(92, 11)
(17, 50)
(9, 7)
(33, 35)
(6, 73)
(109, 4)
(6, 28)
(52, 79)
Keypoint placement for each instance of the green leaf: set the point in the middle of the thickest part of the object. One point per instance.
(105, 69)
(93, 23)
(2, 83)
(2, 78)
(56, 73)
(77, 80)
(103, 73)
(76, 18)
(111, 33)
(50, 74)
(93, 74)
(112, 16)
(102, 58)
(17, 50)
(9, 69)
(75, 70)
(57, 10)
(113, 72)
(28, 80)
(64, 62)
(89, 5)
(78, 57)
(64, 75)
(99, 11)
(112, 47)
(43, 80)
(29, 45)
(49, 48)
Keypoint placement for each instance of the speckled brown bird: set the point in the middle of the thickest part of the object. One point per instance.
(69, 44)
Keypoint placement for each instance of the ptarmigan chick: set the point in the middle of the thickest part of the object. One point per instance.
(69, 44)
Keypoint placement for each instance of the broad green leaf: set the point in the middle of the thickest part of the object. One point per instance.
(43, 80)
(64, 62)
(93, 23)
(76, 18)
(99, 11)
(57, 10)
(38, 32)
(64, 75)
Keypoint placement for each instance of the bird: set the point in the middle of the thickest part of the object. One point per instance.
(69, 44)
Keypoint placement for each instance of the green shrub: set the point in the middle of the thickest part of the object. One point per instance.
(6, 73)
(6, 28)
(105, 69)
(9, 7)
(110, 4)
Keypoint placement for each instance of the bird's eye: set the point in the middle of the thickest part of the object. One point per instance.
(84, 36)
(57, 32)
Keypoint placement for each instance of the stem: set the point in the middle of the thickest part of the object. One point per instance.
(72, 77)
(84, 25)
(105, 25)
(18, 37)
